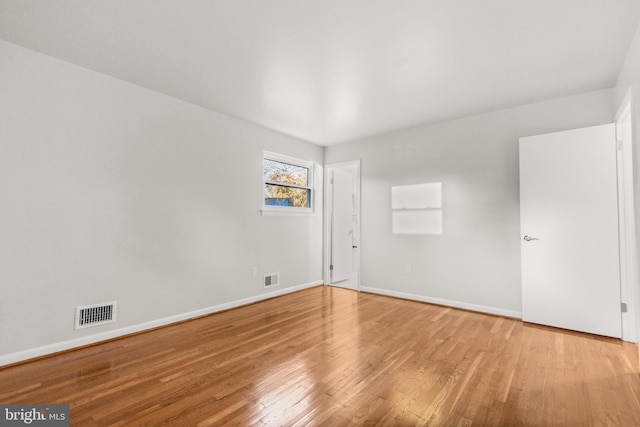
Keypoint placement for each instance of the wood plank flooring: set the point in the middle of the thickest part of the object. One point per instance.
(333, 357)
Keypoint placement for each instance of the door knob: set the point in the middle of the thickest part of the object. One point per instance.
(528, 238)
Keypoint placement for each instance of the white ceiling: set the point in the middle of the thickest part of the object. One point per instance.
(330, 71)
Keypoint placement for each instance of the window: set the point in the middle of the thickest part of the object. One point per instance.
(287, 183)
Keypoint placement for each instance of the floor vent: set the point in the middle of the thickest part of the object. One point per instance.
(272, 279)
(95, 315)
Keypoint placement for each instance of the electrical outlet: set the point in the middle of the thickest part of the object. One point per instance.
(408, 269)
(254, 272)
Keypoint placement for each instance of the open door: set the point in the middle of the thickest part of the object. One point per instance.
(569, 230)
(343, 219)
(341, 227)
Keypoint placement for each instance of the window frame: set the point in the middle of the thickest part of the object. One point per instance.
(288, 210)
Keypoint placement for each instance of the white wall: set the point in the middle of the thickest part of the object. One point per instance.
(630, 73)
(109, 191)
(476, 262)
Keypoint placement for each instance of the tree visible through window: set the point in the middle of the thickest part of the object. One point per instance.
(287, 181)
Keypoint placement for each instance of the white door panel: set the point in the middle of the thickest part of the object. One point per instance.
(342, 226)
(568, 200)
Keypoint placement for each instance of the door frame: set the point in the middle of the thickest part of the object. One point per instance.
(328, 217)
(629, 277)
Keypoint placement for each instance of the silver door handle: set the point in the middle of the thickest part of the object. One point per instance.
(528, 238)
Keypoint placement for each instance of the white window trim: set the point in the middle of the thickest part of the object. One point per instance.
(289, 210)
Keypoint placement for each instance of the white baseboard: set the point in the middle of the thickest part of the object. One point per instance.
(20, 356)
(448, 303)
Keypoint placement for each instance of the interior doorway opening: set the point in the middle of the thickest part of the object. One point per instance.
(629, 278)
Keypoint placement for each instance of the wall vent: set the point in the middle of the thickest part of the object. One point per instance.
(272, 279)
(95, 315)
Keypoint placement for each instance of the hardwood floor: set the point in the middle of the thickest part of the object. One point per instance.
(332, 357)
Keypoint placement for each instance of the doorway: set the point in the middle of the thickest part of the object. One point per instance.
(626, 217)
(342, 225)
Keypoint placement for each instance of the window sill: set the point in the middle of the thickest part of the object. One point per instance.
(286, 212)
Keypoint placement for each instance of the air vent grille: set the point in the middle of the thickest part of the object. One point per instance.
(272, 279)
(96, 314)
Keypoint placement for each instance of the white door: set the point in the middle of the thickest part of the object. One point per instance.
(627, 229)
(569, 230)
(341, 226)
